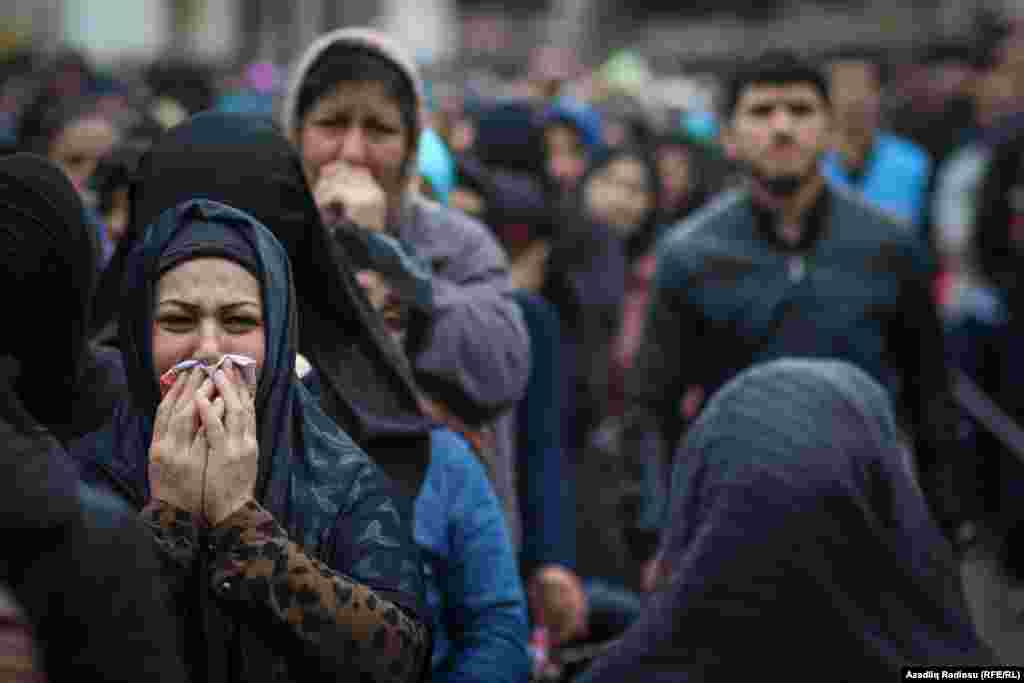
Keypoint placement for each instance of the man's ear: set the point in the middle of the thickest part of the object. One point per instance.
(728, 140)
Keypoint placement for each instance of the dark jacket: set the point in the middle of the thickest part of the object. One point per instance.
(728, 294)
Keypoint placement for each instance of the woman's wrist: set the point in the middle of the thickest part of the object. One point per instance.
(231, 514)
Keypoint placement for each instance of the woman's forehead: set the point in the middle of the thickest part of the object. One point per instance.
(209, 277)
(371, 95)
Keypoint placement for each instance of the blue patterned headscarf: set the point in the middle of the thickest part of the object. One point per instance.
(799, 542)
(306, 462)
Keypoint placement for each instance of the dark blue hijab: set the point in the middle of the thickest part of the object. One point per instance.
(799, 542)
(311, 474)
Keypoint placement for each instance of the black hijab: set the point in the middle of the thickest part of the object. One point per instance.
(246, 163)
(45, 247)
(102, 619)
(799, 537)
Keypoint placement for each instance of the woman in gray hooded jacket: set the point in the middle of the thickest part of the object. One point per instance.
(354, 110)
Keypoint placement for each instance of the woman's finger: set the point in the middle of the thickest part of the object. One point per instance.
(183, 421)
(219, 408)
(211, 423)
(234, 408)
(163, 411)
(250, 418)
(238, 382)
(185, 398)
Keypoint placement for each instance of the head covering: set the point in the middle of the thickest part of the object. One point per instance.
(518, 210)
(247, 163)
(436, 164)
(509, 137)
(628, 110)
(48, 115)
(581, 116)
(368, 39)
(798, 535)
(308, 468)
(49, 260)
(208, 240)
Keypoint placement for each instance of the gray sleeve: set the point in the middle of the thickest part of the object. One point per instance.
(476, 356)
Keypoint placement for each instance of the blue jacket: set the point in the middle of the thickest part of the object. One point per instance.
(473, 585)
(895, 179)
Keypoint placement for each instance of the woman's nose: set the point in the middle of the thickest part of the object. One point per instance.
(353, 146)
(209, 348)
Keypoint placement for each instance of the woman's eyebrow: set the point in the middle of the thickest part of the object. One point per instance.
(239, 304)
(195, 307)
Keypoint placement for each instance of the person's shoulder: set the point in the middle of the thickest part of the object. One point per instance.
(430, 215)
(453, 455)
(707, 229)
(865, 228)
(724, 206)
(873, 221)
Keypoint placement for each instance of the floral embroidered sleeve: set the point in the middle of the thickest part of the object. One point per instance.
(338, 616)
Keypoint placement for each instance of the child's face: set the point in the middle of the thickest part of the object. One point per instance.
(619, 196)
(385, 301)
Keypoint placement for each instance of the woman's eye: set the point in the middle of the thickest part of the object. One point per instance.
(382, 129)
(175, 322)
(332, 122)
(241, 324)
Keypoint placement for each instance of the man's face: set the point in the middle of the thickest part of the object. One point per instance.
(856, 95)
(779, 131)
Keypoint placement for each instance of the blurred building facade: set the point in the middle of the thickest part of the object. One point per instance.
(242, 30)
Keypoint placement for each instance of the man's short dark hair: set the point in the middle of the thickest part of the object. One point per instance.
(778, 67)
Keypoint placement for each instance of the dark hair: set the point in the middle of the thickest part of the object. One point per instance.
(47, 115)
(116, 171)
(778, 67)
(343, 63)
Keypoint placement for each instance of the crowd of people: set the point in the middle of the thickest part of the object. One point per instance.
(347, 372)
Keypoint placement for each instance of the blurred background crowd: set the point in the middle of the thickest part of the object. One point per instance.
(545, 119)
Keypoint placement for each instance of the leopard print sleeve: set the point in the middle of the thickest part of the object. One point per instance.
(255, 562)
(176, 533)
